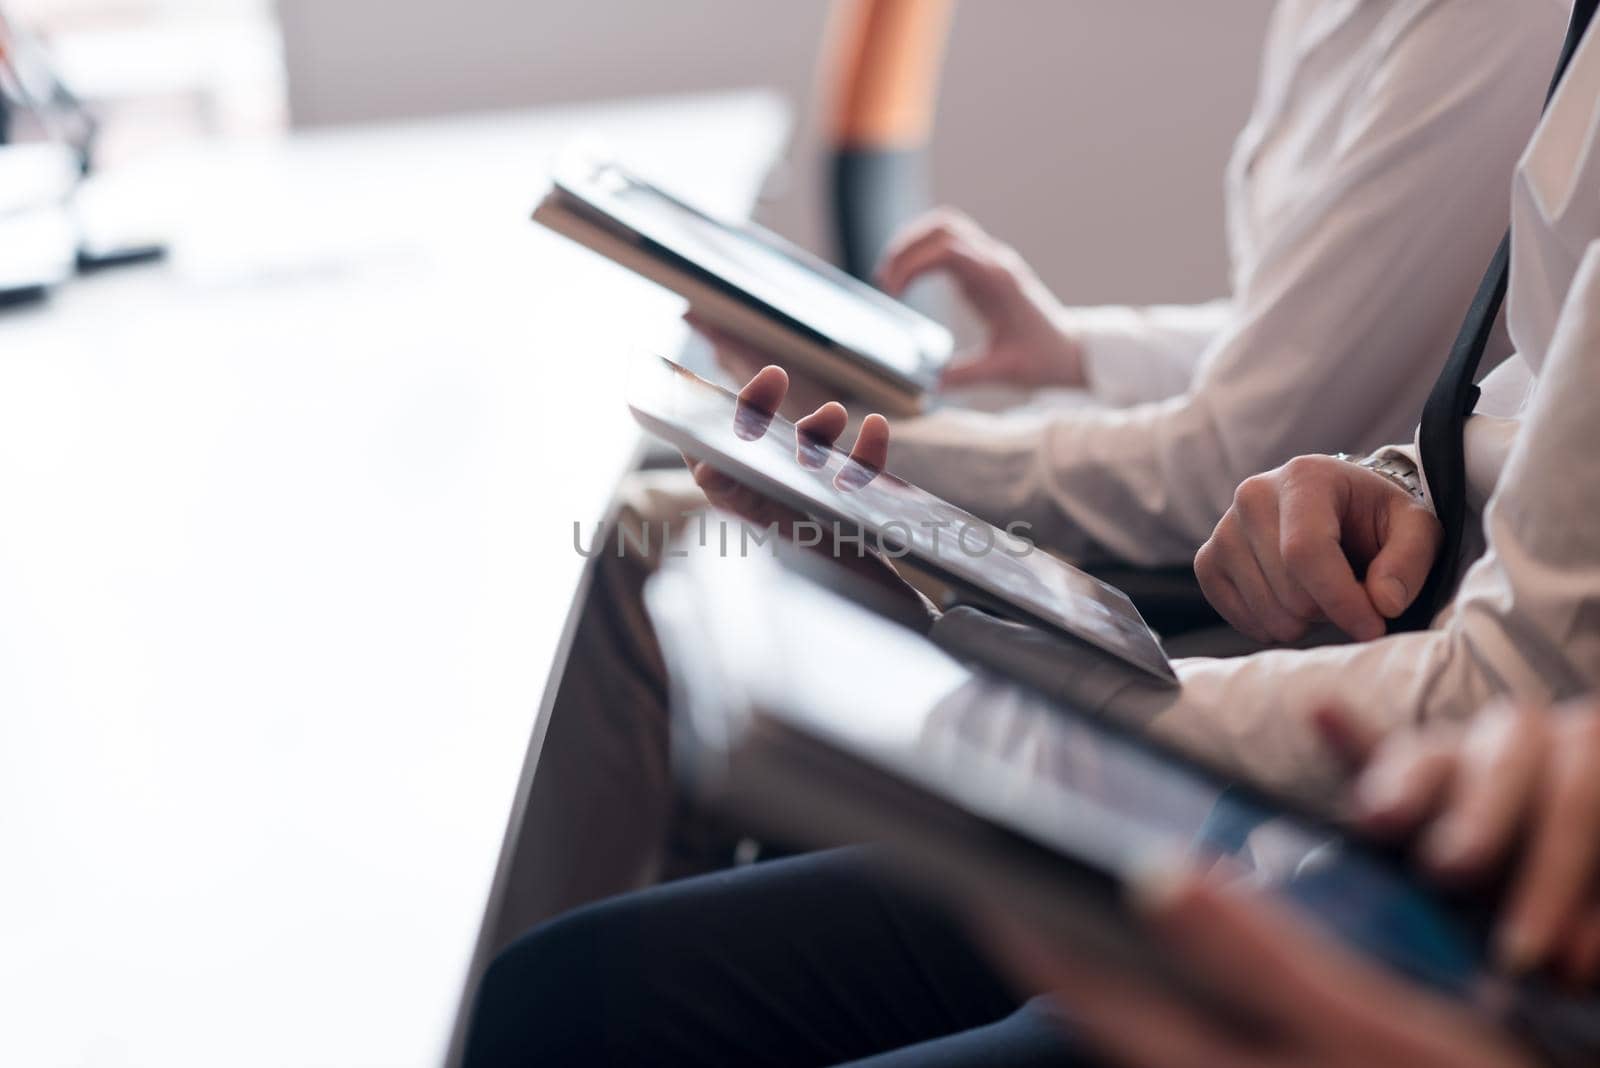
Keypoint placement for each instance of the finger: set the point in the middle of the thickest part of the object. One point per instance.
(896, 270)
(1399, 570)
(1353, 740)
(1122, 1014)
(1259, 511)
(1562, 859)
(868, 457)
(1233, 938)
(728, 495)
(1269, 619)
(939, 225)
(1406, 782)
(1309, 542)
(817, 432)
(965, 264)
(825, 424)
(871, 449)
(912, 232)
(712, 483)
(1219, 589)
(1580, 955)
(1582, 940)
(765, 391)
(1312, 990)
(1224, 596)
(1491, 793)
(1142, 1027)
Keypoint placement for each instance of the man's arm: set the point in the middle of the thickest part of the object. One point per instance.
(1526, 621)
(1333, 340)
(1141, 354)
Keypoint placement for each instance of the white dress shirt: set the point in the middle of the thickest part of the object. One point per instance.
(1363, 198)
(1525, 621)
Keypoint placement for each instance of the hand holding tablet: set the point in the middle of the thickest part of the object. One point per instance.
(758, 402)
(756, 406)
(754, 285)
(862, 505)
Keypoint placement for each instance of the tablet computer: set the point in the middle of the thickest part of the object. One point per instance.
(814, 720)
(991, 568)
(753, 284)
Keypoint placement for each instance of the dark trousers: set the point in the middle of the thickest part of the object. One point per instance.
(816, 960)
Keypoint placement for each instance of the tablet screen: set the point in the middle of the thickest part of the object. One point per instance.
(853, 316)
(707, 421)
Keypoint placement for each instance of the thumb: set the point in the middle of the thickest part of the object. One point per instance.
(1397, 574)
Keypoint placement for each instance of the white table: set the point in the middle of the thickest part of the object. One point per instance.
(285, 557)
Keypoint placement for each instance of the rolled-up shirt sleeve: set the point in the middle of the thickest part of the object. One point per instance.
(1525, 622)
(1331, 341)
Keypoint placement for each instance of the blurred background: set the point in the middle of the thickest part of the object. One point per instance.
(1089, 133)
(291, 496)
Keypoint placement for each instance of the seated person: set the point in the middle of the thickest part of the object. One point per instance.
(1322, 538)
(1350, 273)
(820, 961)
(1316, 350)
(1516, 793)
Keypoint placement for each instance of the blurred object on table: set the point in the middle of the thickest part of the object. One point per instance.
(38, 243)
(100, 82)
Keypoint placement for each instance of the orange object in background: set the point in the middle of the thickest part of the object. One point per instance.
(886, 56)
(881, 80)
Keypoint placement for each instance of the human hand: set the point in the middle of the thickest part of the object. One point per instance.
(817, 432)
(1317, 539)
(1025, 344)
(1516, 793)
(1316, 1004)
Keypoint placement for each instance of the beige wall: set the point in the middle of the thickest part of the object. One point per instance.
(1090, 133)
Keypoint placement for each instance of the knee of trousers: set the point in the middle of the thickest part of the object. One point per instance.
(542, 999)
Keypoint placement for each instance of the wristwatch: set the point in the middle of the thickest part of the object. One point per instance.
(1394, 466)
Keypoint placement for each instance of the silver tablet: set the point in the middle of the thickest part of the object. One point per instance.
(817, 721)
(760, 270)
(992, 568)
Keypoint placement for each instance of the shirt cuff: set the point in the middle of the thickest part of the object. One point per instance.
(1412, 454)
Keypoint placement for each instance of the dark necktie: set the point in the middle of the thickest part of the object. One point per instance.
(1441, 436)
